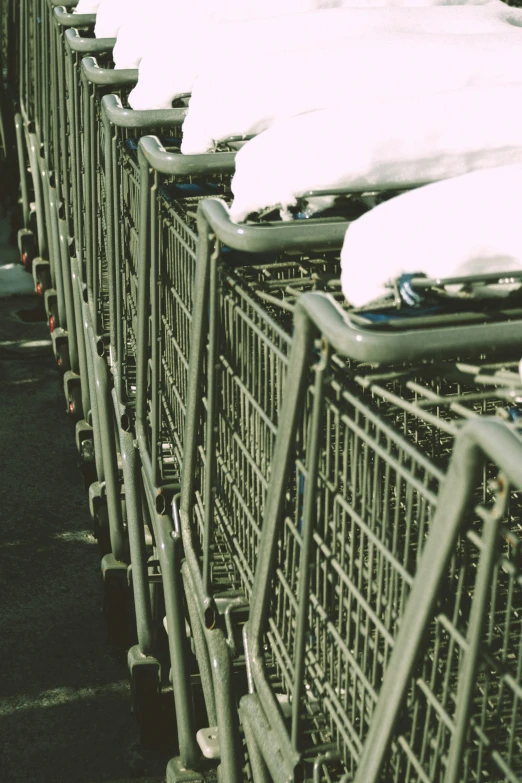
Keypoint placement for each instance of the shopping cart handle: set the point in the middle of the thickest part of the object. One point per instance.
(66, 19)
(77, 43)
(130, 118)
(271, 237)
(377, 346)
(66, 4)
(177, 164)
(108, 76)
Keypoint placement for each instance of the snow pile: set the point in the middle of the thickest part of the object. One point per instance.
(140, 32)
(395, 65)
(396, 3)
(463, 226)
(86, 7)
(111, 14)
(168, 67)
(167, 70)
(384, 143)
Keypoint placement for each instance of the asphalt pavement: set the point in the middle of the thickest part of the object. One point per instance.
(64, 697)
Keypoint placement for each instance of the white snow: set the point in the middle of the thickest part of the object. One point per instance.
(166, 70)
(169, 65)
(394, 65)
(396, 3)
(383, 143)
(111, 14)
(463, 226)
(86, 7)
(140, 32)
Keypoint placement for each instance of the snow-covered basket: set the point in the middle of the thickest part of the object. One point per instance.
(385, 142)
(468, 225)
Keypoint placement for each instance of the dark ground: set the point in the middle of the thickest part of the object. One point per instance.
(64, 698)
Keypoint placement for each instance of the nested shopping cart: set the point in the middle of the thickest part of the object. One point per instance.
(385, 513)
(235, 486)
(81, 394)
(41, 75)
(32, 238)
(63, 311)
(88, 79)
(391, 640)
(110, 241)
(155, 192)
(176, 393)
(9, 91)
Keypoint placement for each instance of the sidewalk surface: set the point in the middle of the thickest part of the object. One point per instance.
(64, 696)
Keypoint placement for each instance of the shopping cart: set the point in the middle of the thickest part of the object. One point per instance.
(32, 238)
(9, 89)
(155, 195)
(82, 397)
(65, 323)
(241, 329)
(88, 81)
(383, 507)
(215, 568)
(98, 180)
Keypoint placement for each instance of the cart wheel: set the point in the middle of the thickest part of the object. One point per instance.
(74, 401)
(43, 282)
(28, 254)
(62, 356)
(146, 704)
(87, 462)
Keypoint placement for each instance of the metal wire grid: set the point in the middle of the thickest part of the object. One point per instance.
(127, 270)
(493, 747)
(76, 140)
(28, 60)
(61, 119)
(99, 209)
(177, 240)
(10, 45)
(250, 375)
(377, 490)
(5, 11)
(49, 91)
(254, 353)
(94, 204)
(493, 750)
(428, 407)
(92, 215)
(173, 212)
(373, 504)
(101, 267)
(69, 133)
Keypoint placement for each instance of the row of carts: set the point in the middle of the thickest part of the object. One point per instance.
(308, 521)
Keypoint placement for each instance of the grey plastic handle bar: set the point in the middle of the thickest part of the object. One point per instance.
(130, 118)
(177, 164)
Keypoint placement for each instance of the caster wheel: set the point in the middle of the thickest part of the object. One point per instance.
(43, 282)
(28, 251)
(62, 356)
(146, 705)
(87, 463)
(74, 401)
